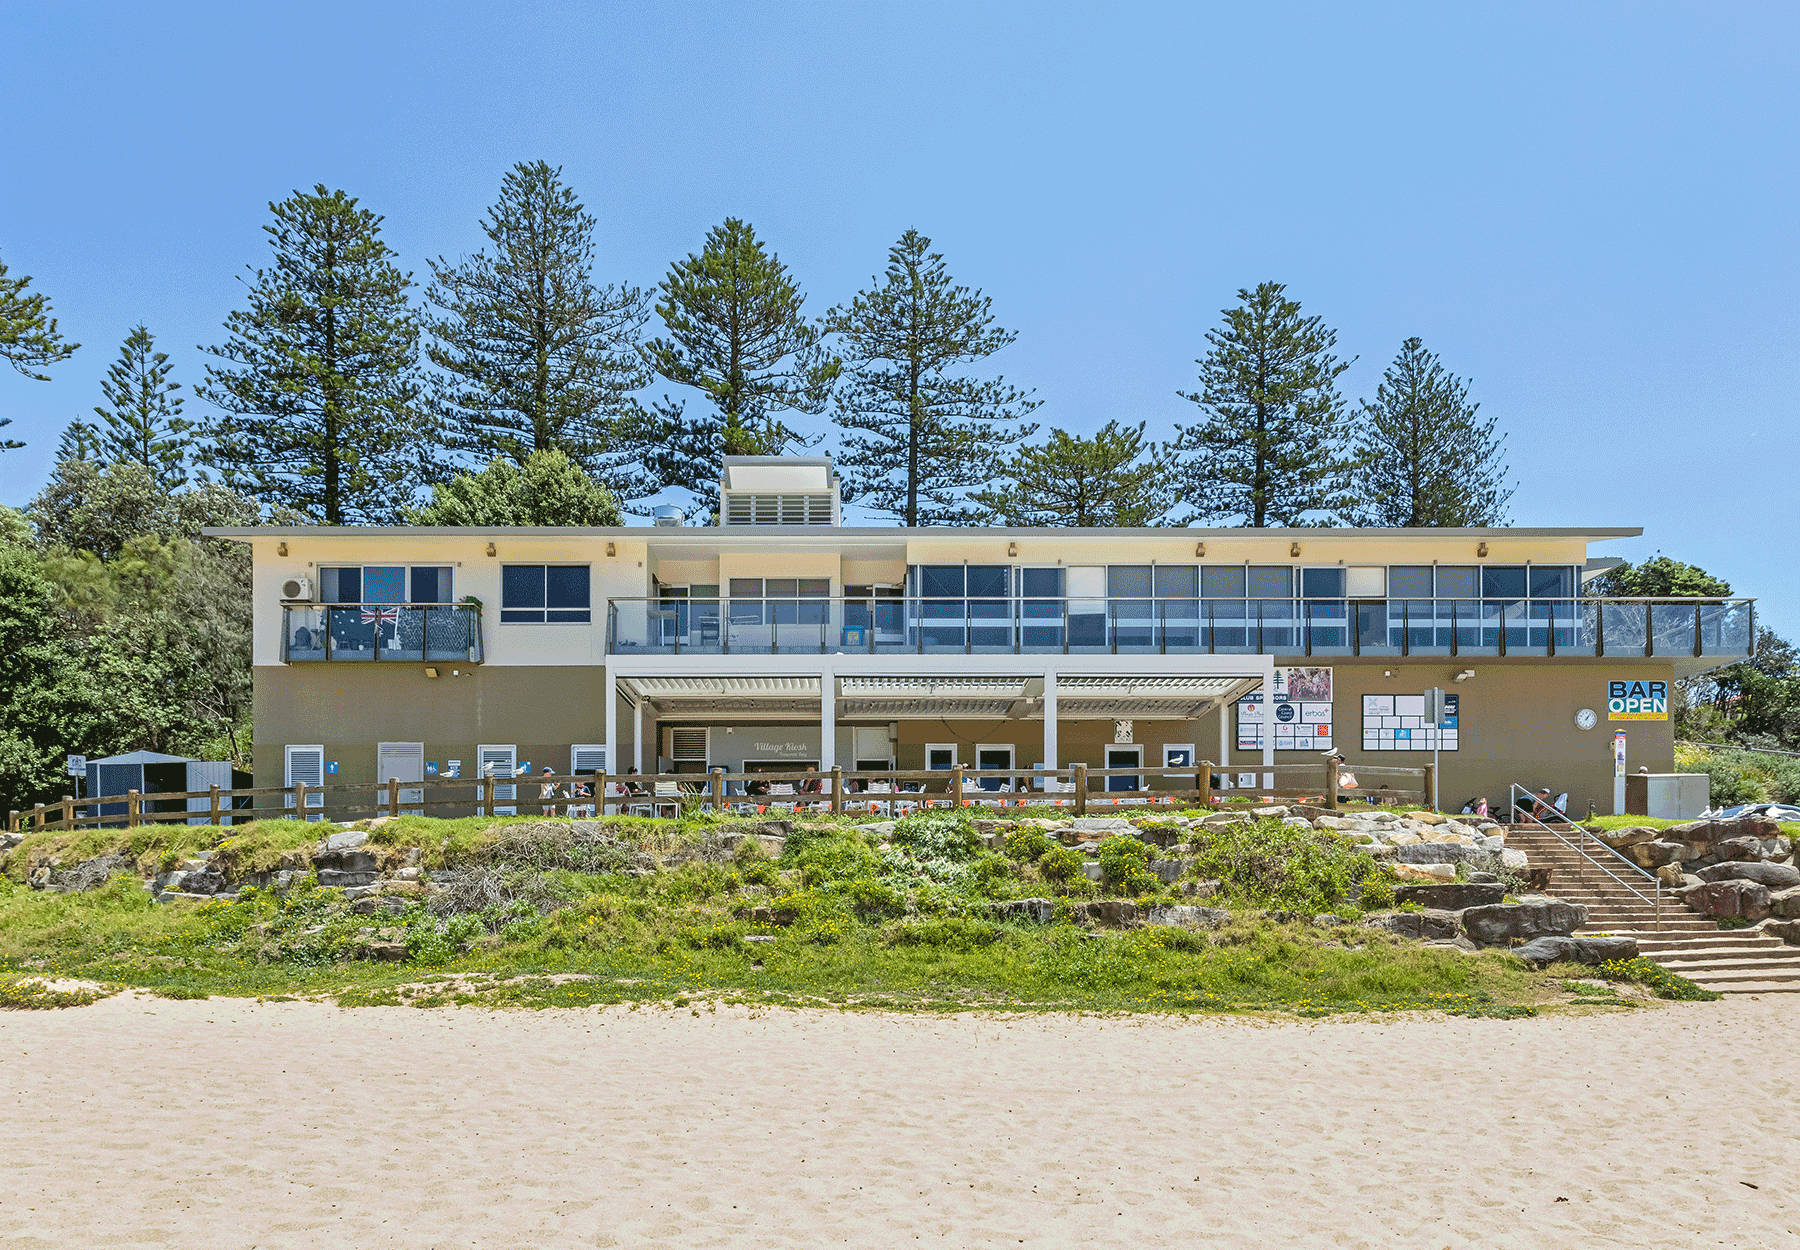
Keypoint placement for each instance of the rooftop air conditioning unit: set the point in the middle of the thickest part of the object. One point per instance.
(297, 590)
(668, 515)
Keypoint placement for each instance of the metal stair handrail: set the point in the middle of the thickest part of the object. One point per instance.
(1532, 820)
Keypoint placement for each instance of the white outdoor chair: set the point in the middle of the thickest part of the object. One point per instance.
(668, 799)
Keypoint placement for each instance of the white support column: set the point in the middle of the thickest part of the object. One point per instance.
(610, 697)
(827, 720)
(637, 736)
(1268, 726)
(1224, 736)
(1051, 759)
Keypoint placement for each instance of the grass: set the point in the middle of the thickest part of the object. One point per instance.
(1790, 828)
(854, 923)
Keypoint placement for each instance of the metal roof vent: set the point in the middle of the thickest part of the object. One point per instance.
(668, 514)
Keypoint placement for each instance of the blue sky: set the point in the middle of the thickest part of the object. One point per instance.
(1586, 209)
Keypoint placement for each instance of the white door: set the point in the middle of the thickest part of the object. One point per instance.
(940, 756)
(499, 761)
(1124, 755)
(987, 758)
(304, 765)
(404, 761)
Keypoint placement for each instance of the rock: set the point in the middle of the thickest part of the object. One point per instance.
(1328, 920)
(1429, 925)
(1656, 853)
(1512, 860)
(1591, 951)
(1297, 822)
(759, 937)
(1186, 917)
(1092, 869)
(1103, 824)
(1728, 900)
(1425, 872)
(1451, 896)
(1744, 848)
(1619, 839)
(1198, 889)
(1764, 827)
(1787, 930)
(1454, 839)
(1332, 822)
(1404, 837)
(1113, 911)
(1775, 876)
(1427, 818)
(377, 822)
(1501, 924)
(333, 877)
(348, 840)
(1441, 853)
(1167, 870)
(409, 874)
(1361, 837)
(389, 952)
(1224, 818)
(1671, 876)
(1785, 904)
(1537, 880)
(1036, 910)
(1277, 812)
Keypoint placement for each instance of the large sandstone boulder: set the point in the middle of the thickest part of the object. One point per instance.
(1404, 837)
(1427, 818)
(1787, 930)
(1775, 876)
(1581, 950)
(1619, 839)
(1186, 917)
(1425, 872)
(1441, 853)
(1744, 848)
(1429, 926)
(1785, 904)
(1501, 924)
(1656, 853)
(1450, 896)
(1728, 900)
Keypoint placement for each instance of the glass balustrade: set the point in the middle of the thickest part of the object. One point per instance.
(1078, 626)
(375, 632)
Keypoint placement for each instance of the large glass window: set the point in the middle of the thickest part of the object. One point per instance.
(1503, 581)
(544, 594)
(1458, 581)
(1551, 581)
(1326, 583)
(1222, 583)
(780, 600)
(1271, 581)
(1409, 581)
(385, 583)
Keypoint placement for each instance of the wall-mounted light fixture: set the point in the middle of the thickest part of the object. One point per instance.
(1294, 550)
(1200, 550)
(611, 550)
(1481, 551)
(1012, 549)
(491, 550)
(1465, 674)
(281, 549)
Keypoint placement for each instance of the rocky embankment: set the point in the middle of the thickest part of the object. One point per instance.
(1739, 871)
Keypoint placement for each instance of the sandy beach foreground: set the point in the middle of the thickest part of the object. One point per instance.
(224, 1123)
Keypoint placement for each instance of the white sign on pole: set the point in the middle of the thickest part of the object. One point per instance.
(77, 766)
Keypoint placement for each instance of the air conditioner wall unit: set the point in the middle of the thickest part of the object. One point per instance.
(297, 590)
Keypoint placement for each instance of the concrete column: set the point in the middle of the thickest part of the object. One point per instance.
(610, 697)
(827, 720)
(1050, 756)
(1224, 736)
(637, 736)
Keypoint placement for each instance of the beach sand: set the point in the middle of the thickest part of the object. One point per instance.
(226, 1123)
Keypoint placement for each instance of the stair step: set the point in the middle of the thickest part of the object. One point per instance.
(1755, 976)
(1729, 963)
(1756, 987)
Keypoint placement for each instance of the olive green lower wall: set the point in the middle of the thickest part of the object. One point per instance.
(1517, 722)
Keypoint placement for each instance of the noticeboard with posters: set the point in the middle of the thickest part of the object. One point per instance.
(1396, 722)
(1297, 712)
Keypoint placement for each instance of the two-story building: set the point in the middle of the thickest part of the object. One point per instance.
(780, 638)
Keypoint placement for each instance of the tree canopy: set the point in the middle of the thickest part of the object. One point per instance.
(141, 422)
(550, 490)
(29, 339)
(1114, 478)
(1658, 578)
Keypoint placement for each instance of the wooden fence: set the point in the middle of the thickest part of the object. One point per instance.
(959, 787)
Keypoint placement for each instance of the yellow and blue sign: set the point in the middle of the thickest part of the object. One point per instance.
(1637, 700)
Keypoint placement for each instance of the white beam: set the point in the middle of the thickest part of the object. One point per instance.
(610, 699)
(1050, 744)
(637, 736)
(827, 720)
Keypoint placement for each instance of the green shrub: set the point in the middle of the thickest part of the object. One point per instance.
(954, 932)
(1269, 864)
(872, 899)
(937, 835)
(1125, 864)
(1657, 979)
(749, 851)
(1377, 893)
(1060, 865)
(1028, 845)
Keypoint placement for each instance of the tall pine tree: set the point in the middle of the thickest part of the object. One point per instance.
(1423, 458)
(735, 331)
(536, 357)
(319, 390)
(920, 436)
(142, 421)
(1271, 449)
(29, 340)
(1111, 479)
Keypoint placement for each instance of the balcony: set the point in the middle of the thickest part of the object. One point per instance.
(369, 633)
(1289, 627)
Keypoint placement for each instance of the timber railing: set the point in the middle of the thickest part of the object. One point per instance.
(1078, 788)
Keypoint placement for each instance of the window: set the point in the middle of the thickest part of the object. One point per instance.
(1549, 581)
(780, 600)
(1271, 581)
(385, 583)
(1458, 581)
(940, 757)
(1223, 582)
(544, 594)
(1503, 581)
(1326, 583)
(1410, 581)
(1177, 581)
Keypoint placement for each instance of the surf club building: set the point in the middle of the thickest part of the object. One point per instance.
(779, 638)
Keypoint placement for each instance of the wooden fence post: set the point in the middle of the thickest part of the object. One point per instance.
(1331, 790)
(1206, 786)
(599, 788)
(299, 800)
(837, 789)
(134, 808)
(37, 817)
(487, 792)
(213, 805)
(12, 820)
(393, 796)
(956, 787)
(1081, 789)
(1430, 795)
(718, 790)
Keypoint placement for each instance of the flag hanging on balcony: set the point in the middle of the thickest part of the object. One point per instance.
(381, 616)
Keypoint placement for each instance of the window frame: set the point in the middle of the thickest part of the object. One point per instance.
(510, 616)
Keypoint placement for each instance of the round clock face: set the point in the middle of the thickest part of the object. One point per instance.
(1585, 718)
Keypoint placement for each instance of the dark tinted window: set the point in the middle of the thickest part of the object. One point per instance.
(941, 581)
(1458, 581)
(989, 581)
(1550, 581)
(1322, 583)
(1177, 581)
(1409, 581)
(1041, 583)
(536, 594)
(1271, 581)
(430, 584)
(1222, 583)
(746, 588)
(340, 585)
(1503, 581)
(1128, 581)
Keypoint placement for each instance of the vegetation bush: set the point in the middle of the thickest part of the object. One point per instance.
(1028, 845)
(942, 835)
(1269, 864)
(1377, 893)
(1060, 866)
(1656, 978)
(1743, 776)
(1125, 866)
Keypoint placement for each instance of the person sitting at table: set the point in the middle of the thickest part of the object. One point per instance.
(757, 789)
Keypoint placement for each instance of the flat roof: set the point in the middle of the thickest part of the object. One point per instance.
(716, 533)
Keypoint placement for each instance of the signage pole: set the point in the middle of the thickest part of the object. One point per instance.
(1434, 719)
(1619, 772)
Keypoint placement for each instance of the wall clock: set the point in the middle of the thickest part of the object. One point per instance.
(1586, 719)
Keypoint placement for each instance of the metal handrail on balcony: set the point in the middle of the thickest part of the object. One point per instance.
(1082, 624)
(380, 632)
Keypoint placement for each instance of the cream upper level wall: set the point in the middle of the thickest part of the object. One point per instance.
(854, 556)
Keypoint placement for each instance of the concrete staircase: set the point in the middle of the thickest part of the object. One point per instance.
(1731, 961)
